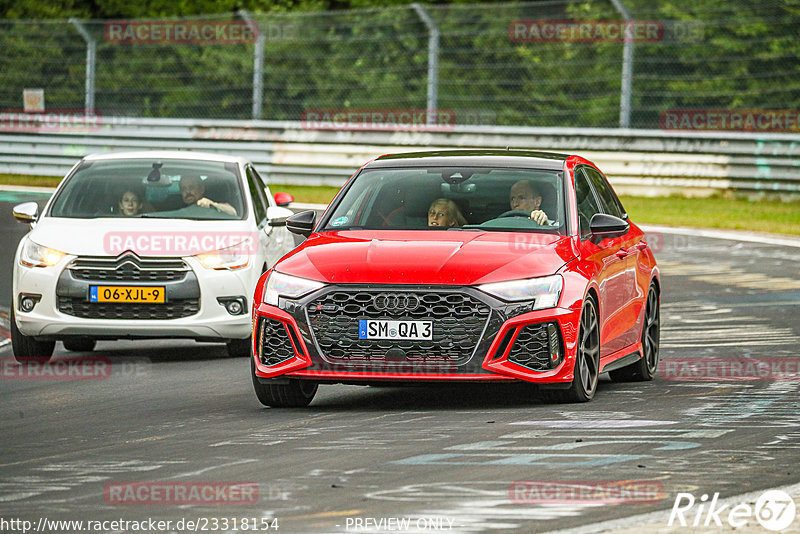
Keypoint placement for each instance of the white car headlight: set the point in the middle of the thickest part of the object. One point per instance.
(231, 258)
(283, 285)
(543, 291)
(36, 255)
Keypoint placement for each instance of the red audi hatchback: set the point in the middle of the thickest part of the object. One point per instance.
(461, 266)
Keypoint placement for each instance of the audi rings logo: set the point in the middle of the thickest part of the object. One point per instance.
(396, 301)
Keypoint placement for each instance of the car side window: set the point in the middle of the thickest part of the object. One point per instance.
(587, 204)
(257, 192)
(610, 202)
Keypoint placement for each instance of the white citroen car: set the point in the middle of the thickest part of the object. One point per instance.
(159, 244)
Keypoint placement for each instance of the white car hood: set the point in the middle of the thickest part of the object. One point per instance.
(145, 237)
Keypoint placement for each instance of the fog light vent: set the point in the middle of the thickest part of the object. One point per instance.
(537, 347)
(234, 305)
(28, 301)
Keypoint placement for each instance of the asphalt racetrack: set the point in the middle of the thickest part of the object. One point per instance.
(180, 418)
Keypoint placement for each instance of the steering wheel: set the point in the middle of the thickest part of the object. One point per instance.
(515, 213)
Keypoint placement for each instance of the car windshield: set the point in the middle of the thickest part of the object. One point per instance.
(163, 188)
(452, 198)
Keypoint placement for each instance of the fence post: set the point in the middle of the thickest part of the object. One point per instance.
(433, 61)
(91, 53)
(627, 69)
(258, 66)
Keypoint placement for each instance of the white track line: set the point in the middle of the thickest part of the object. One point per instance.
(304, 206)
(733, 235)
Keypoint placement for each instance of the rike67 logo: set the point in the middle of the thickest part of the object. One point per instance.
(774, 510)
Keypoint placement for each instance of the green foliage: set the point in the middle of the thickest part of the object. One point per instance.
(737, 56)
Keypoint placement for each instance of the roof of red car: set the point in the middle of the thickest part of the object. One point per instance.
(475, 158)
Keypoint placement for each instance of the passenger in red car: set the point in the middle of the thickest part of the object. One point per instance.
(445, 212)
(525, 196)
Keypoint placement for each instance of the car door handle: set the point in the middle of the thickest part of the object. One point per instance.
(623, 252)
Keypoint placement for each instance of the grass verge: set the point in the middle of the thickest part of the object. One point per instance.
(24, 179)
(771, 216)
(322, 194)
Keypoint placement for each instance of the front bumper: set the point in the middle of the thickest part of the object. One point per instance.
(63, 301)
(479, 339)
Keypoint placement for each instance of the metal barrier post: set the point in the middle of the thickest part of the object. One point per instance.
(258, 66)
(627, 70)
(433, 61)
(91, 53)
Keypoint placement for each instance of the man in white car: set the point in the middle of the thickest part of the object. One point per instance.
(193, 192)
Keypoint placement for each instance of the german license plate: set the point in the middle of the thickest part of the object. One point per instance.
(128, 294)
(385, 329)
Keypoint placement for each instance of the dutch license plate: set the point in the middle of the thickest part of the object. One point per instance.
(128, 294)
(385, 329)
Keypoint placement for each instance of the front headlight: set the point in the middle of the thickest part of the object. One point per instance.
(283, 285)
(231, 258)
(36, 255)
(543, 291)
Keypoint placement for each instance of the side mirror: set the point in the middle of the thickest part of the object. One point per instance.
(604, 226)
(302, 223)
(26, 212)
(283, 199)
(276, 216)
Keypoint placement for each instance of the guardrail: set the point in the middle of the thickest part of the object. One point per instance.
(654, 160)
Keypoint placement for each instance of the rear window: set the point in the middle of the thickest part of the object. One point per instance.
(164, 188)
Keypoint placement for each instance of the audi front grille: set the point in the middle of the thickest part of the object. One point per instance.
(459, 321)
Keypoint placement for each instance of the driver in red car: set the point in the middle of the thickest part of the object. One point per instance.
(525, 197)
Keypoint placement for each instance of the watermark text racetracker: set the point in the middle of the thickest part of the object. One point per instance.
(181, 493)
(603, 31)
(75, 368)
(577, 491)
(57, 121)
(748, 120)
(180, 32)
(179, 243)
(378, 119)
(710, 369)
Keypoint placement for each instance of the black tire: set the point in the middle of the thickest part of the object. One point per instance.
(587, 359)
(27, 348)
(80, 344)
(295, 394)
(645, 368)
(239, 348)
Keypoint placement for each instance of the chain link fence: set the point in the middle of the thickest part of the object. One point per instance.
(555, 63)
